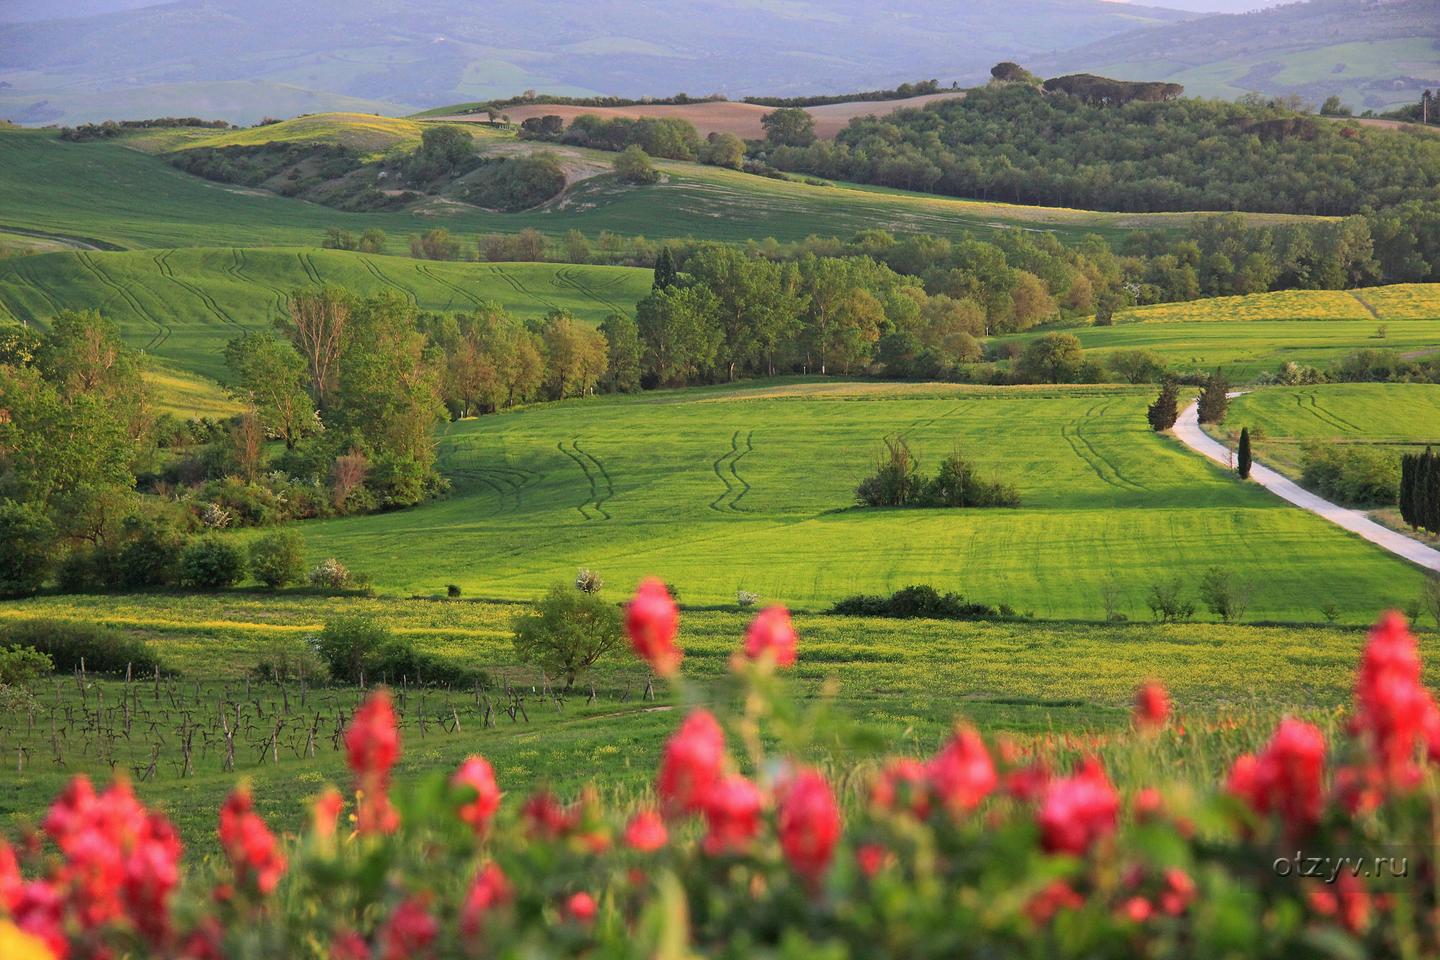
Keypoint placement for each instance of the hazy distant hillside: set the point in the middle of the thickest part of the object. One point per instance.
(19, 11)
(1372, 53)
(243, 59)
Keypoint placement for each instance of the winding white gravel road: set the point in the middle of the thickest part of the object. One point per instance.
(1187, 430)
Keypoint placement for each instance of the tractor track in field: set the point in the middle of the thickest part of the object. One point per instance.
(583, 461)
(924, 423)
(604, 475)
(307, 264)
(1100, 410)
(506, 481)
(727, 463)
(281, 297)
(570, 277)
(1368, 308)
(28, 276)
(520, 287)
(162, 331)
(162, 263)
(1322, 414)
(393, 284)
(1074, 434)
(454, 287)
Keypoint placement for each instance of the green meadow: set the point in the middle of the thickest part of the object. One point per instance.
(752, 488)
(1385, 413)
(904, 681)
(183, 305)
(108, 194)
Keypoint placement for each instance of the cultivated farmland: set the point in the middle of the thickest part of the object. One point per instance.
(752, 488)
(182, 306)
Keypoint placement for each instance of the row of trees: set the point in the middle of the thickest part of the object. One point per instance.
(1420, 490)
(1016, 143)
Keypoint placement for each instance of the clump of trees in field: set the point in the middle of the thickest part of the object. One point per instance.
(1096, 143)
(1351, 474)
(81, 446)
(920, 601)
(1420, 490)
(898, 482)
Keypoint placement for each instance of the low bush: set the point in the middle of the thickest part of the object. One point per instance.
(211, 563)
(330, 574)
(919, 601)
(567, 632)
(278, 559)
(22, 666)
(66, 643)
(897, 482)
(360, 648)
(1351, 474)
(1167, 601)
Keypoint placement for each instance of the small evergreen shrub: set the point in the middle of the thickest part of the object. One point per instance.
(211, 563)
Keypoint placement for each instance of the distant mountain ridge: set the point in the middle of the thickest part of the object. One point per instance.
(1373, 54)
(243, 59)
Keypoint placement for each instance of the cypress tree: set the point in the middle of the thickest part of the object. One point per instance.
(666, 275)
(1407, 478)
(1163, 413)
(1430, 498)
(1242, 455)
(1213, 401)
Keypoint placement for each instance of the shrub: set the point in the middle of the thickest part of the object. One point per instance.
(330, 574)
(634, 166)
(103, 649)
(452, 590)
(1163, 413)
(22, 666)
(1226, 594)
(277, 559)
(1167, 603)
(896, 481)
(1351, 473)
(588, 581)
(211, 563)
(359, 647)
(567, 632)
(746, 600)
(151, 555)
(918, 601)
(351, 646)
(29, 539)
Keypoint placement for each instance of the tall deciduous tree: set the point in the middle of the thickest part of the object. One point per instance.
(316, 325)
(681, 332)
(575, 356)
(269, 375)
(623, 354)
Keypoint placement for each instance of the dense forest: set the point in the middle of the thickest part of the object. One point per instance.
(1014, 142)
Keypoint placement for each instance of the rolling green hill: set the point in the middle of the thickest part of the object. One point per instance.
(1257, 333)
(1388, 413)
(104, 193)
(183, 305)
(1373, 54)
(752, 488)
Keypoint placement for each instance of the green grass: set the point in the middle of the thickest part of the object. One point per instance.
(105, 191)
(1031, 680)
(752, 488)
(183, 305)
(1246, 348)
(1386, 413)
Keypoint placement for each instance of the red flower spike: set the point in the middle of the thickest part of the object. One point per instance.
(652, 621)
(962, 773)
(1152, 707)
(646, 832)
(772, 635)
(691, 764)
(477, 775)
(1078, 810)
(808, 824)
(732, 812)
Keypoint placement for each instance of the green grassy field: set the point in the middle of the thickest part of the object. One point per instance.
(106, 192)
(1387, 413)
(752, 488)
(183, 305)
(903, 680)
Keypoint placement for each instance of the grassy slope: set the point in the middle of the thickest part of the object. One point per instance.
(1248, 335)
(106, 191)
(1030, 679)
(183, 305)
(752, 488)
(1388, 413)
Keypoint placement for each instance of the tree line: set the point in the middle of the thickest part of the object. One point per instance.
(1015, 142)
(1420, 490)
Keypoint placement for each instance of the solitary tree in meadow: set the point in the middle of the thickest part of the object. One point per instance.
(1214, 399)
(1163, 413)
(1242, 455)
